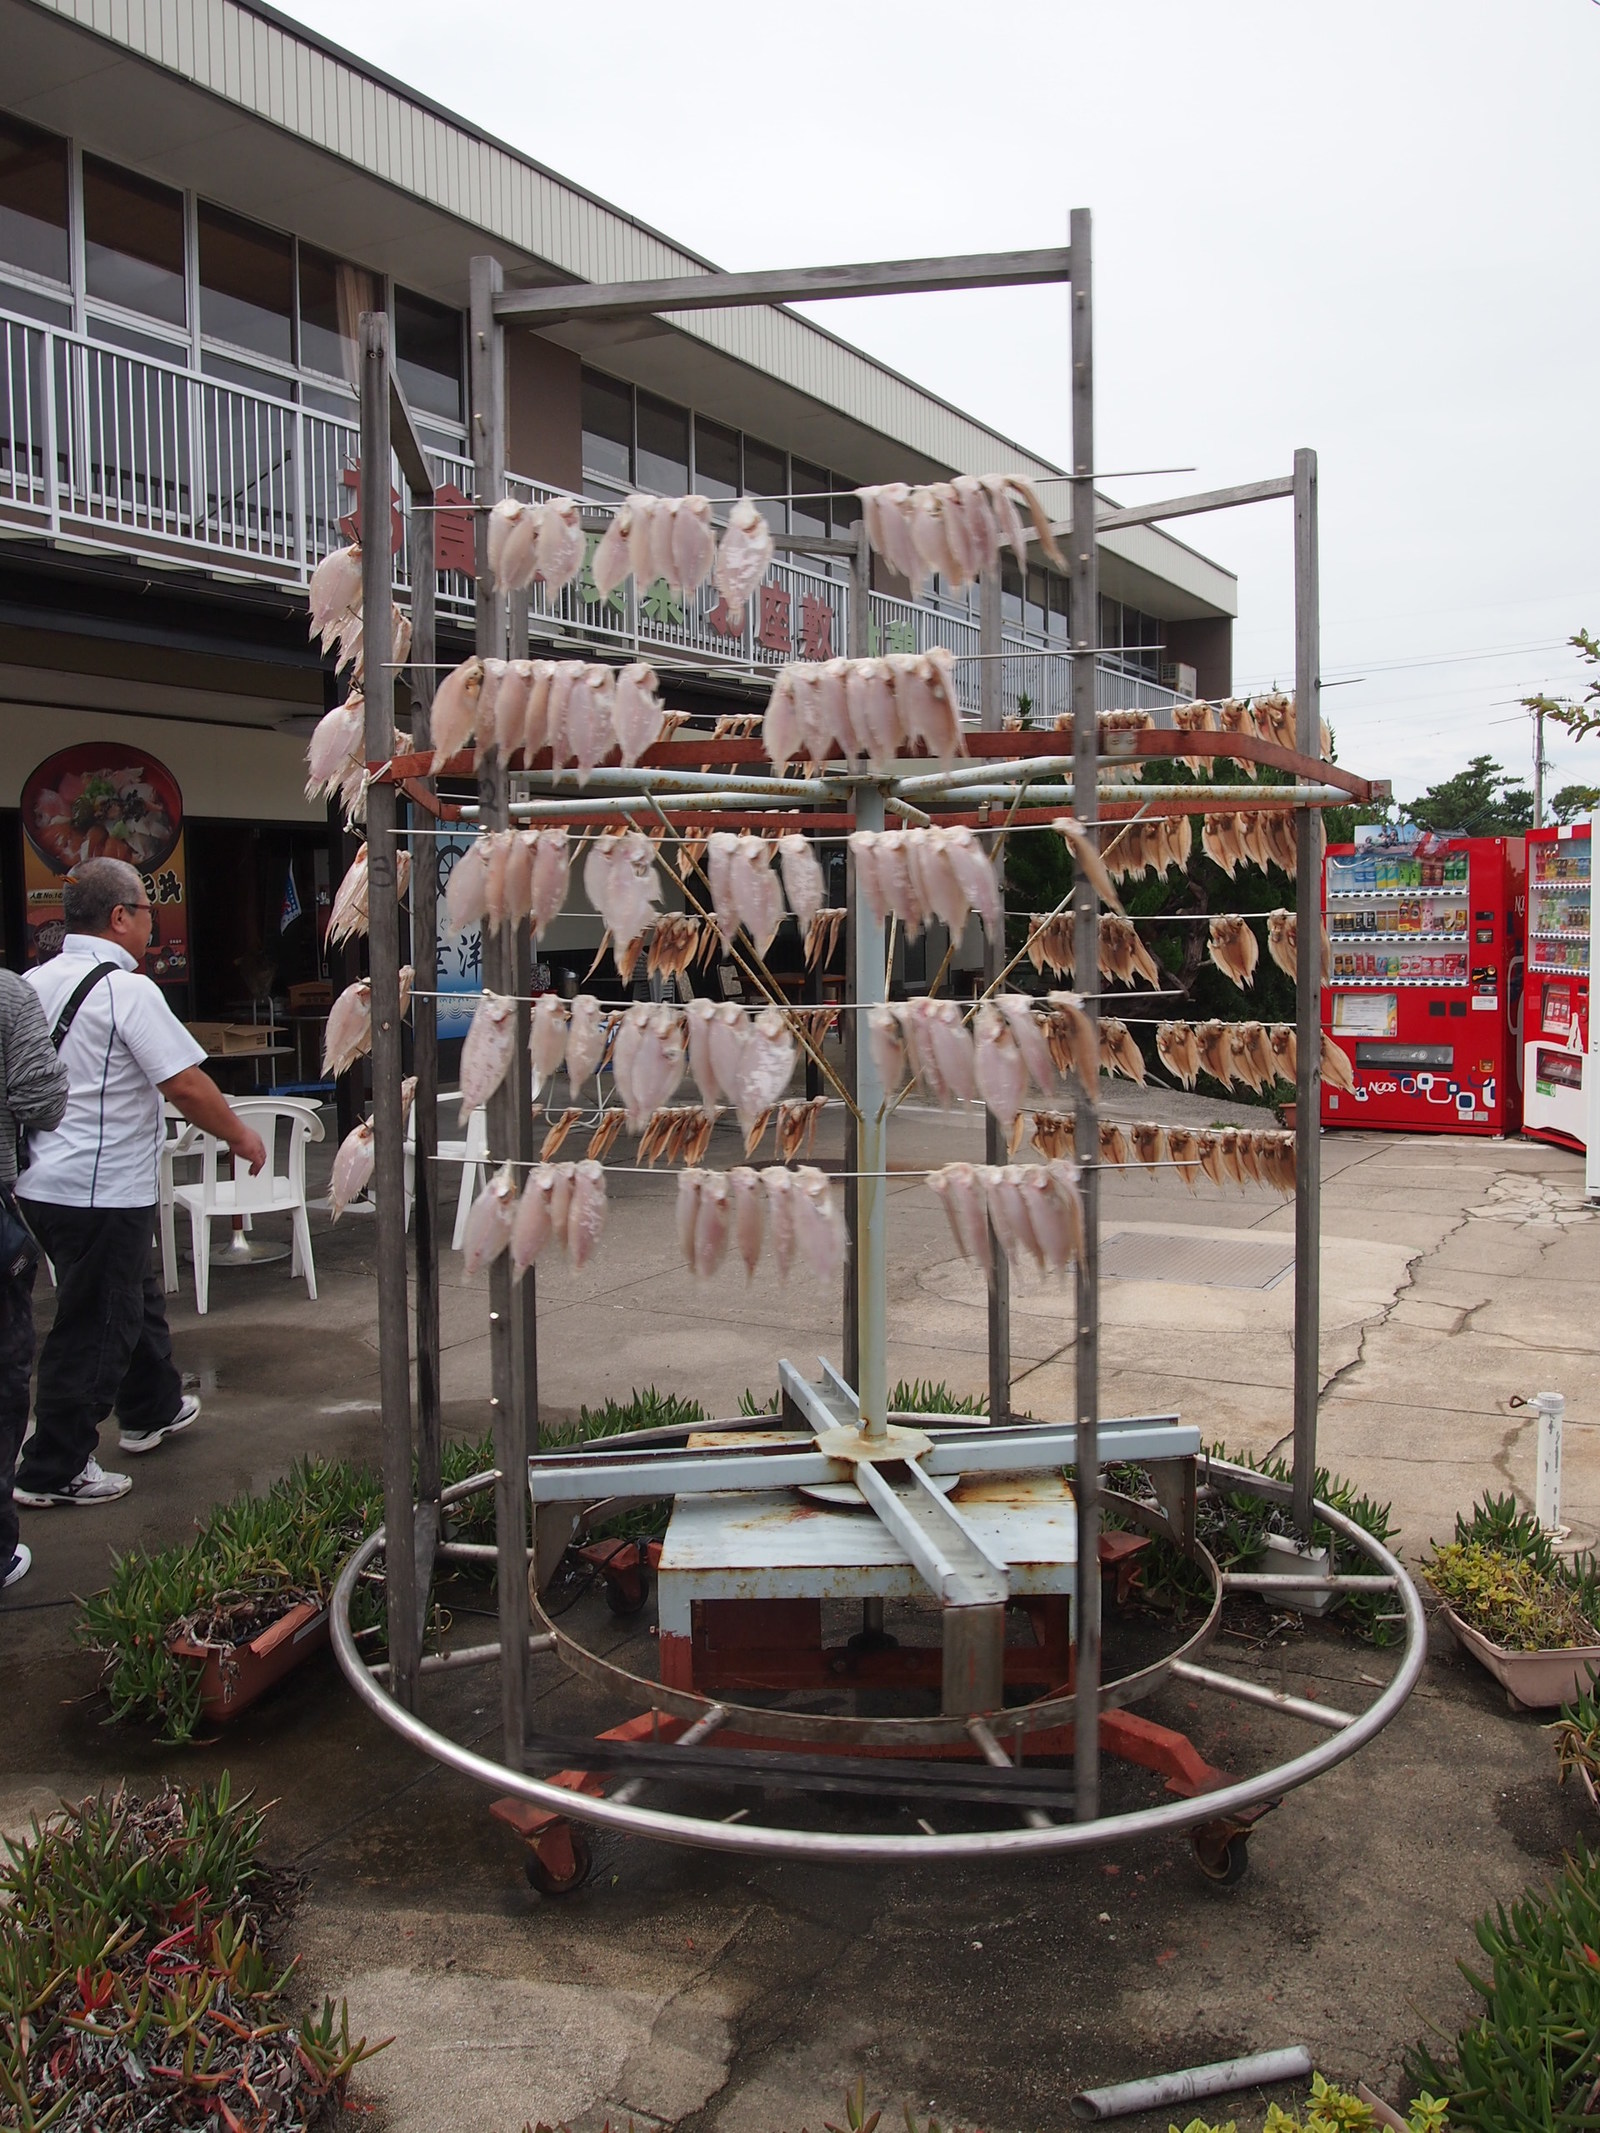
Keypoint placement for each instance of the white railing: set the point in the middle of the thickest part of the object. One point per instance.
(146, 457)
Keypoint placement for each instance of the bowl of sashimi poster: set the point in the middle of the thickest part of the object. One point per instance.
(102, 800)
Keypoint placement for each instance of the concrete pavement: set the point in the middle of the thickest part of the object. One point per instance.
(695, 1991)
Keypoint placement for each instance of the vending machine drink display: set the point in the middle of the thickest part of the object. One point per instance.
(1556, 1013)
(1424, 984)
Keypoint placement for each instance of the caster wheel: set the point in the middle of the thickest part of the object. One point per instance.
(563, 1865)
(627, 1593)
(1225, 1862)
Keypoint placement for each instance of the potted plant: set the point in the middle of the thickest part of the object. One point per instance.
(1531, 1616)
(199, 1632)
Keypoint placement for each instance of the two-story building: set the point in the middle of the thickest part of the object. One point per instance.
(198, 198)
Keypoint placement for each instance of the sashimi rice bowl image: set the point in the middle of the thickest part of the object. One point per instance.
(107, 804)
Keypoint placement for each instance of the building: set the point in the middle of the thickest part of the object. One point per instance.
(197, 200)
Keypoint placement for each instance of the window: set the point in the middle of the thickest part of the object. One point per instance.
(716, 460)
(608, 429)
(1060, 609)
(246, 284)
(427, 347)
(846, 510)
(766, 474)
(33, 200)
(1036, 599)
(1010, 591)
(333, 295)
(663, 446)
(133, 242)
(809, 511)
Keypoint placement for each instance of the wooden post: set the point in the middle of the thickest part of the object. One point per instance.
(1308, 999)
(991, 671)
(1084, 606)
(486, 347)
(394, 1347)
(424, 1026)
(859, 646)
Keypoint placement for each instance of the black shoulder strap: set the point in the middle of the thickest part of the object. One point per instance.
(68, 1014)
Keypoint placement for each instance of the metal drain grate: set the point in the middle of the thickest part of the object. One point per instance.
(1205, 1262)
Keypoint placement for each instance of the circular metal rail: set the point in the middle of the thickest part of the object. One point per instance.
(755, 1839)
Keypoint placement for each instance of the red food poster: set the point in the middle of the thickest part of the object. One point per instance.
(101, 799)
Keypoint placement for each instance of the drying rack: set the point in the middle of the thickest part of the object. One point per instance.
(1013, 780)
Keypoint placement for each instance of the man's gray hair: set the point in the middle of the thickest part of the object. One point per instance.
(93, 890)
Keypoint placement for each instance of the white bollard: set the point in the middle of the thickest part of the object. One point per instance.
(1551, 1408)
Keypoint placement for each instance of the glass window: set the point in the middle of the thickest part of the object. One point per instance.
(246, 283)
(663, 446)
(716, 460)
(1037, 600)
(333, 295)
(1110, 622)
(1060, 607)
(846, 509)
(427, 347)
(1010, 590)
(33, 199)
(608, 428)
(766, 474)
(809, 512)
(133, 241)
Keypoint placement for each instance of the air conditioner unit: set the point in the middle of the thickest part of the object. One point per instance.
(1181, 679)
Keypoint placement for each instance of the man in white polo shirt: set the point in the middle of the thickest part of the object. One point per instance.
(90, 1191)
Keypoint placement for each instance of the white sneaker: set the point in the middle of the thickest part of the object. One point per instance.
(93, 1485)
(146, 1440)
(21, 1564)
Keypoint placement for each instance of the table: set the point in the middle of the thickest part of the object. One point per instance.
(746, 1573)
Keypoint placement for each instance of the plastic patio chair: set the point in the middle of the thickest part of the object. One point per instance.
(277, 1191)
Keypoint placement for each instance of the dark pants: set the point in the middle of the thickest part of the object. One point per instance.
(109, 1345)
(16, 1368)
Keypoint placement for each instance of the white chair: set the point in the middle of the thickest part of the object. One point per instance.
(472, 1154)
(274, 1192)
(181, 1144)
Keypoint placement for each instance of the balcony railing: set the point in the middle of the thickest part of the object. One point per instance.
(146, 458)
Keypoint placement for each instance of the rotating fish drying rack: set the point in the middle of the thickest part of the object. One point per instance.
(976, 1563)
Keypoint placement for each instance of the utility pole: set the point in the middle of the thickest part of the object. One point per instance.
(1538, 766)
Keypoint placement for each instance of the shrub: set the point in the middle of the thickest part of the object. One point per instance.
(1507, 1599)
(135, 1988)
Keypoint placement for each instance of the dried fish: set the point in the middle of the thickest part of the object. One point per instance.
(755, 1131)
(559, 1131)
(453, 714)
(1235, 717)
(953, 529)
(1215, 1040)
(749, 1205)
(1071, 1035)
(490, 1223)
(1050, 943)
(1183, 1151)
(1149, 1145)
(1086, 857)
(605, 1135)
(778, 1185)
(1233, 948)
(1196, 718)
(1119, 1054)
(818, 1223)
(1113, 1143)
(352, 1168)
(1178, 1051)
(742, 558)
(620, 880)
(486, 1050)
(1030, 1038)
(822, 937)
(1337, 1072)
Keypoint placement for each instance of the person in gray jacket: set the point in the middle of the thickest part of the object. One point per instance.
(33, 1092)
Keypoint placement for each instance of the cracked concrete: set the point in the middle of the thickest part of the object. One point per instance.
(701, 1993)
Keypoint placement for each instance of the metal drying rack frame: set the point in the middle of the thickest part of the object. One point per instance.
(1019, 779)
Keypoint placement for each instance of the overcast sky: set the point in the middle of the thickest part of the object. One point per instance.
(1369, 229)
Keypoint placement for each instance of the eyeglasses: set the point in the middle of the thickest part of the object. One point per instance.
(136, 907)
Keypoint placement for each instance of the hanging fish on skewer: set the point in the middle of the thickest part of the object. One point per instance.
(1113, 1143)
(1285, 1051)
(347, 1034)
(1086, 857)
(819, 1229)
(486, 1050)
(1336, 1069)
(1178, 1051)
(1149, 1145)
(803, 884)
(335, 587)
(1235, 717)
(489, 1225)
(1233, 948)
(822, 937)
(1074, 1043)
(453, 715)
(1051, 945)
(1183, 1151)
(605, 1135)
(1196, 718)
(350, 914)
(1119, 1054)
(743, 555)
(1215, 1040)
(352, 1168)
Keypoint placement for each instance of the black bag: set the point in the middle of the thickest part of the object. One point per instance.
(19, 1248)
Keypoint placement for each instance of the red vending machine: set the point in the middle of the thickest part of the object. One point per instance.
(1556, 1015)
(1425, 983)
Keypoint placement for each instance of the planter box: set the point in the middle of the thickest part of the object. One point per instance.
(233, 1676)
(1534, 1681)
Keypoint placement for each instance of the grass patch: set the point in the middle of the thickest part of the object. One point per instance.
(136, 1987)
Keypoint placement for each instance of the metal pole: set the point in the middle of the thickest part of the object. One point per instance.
(424, 1031)
(394, 1347)
(1538, 769)
(859, 644)
(872, 1140)
(990, 713)
(486, 344)
(526, 1294)
(1308, 999)
(1084, 603)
